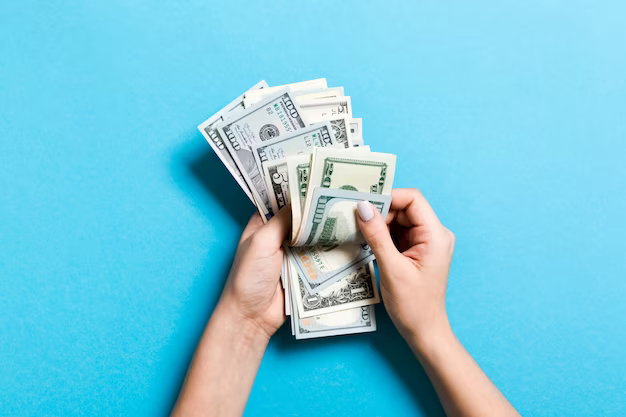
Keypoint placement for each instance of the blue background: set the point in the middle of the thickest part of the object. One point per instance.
(118, 224)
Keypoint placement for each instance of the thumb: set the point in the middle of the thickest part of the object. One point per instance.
(275, 231)
(375, 231)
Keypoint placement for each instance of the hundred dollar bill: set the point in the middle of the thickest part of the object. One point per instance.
(354, 290)
(252, 97)
(369, 172)
(207, 128)
(354, 320)
(313, 94)
(319, 135)
(337, 246)
(273, 116)
(331, 219)
(299, 142)
(314, 111)
(320, 94)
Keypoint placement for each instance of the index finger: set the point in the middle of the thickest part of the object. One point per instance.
(410, 208)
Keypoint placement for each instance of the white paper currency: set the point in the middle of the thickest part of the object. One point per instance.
(318, 135)
(334, 222)
(368, 172)
(207, 128)
(314, 111)
(252, 97)
(276, 175)
(273, 116)
(355, 320)
(354, 290)
(353, 169)
(321, 94)
(314, 94)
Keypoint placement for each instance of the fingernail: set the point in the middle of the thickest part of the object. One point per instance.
(366, 213)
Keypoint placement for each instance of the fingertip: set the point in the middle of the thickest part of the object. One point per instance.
(412, 208)
(278, 226)
(365, 210)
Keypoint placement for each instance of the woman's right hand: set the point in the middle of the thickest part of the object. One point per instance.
(413, 250)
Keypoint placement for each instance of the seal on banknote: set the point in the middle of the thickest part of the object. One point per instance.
(339, 129)
(268, 131)
(312, 301)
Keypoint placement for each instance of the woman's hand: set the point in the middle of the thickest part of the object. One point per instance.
(413, 250)
(413, 281)
(253, 288)
(248, 313)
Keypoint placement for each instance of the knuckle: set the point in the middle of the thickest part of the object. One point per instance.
(256, 240)
(452, 242)
(255, 220)
(417, 191)
(452, 237)
(443, 238)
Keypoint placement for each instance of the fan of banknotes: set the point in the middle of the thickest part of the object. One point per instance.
(298, 146)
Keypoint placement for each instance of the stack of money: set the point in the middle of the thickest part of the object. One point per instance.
(298, 146)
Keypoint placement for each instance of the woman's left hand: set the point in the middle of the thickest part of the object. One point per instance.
(253, 289)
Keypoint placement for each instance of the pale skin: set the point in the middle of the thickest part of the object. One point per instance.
(413, 250)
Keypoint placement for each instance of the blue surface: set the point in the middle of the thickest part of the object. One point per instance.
(118, 224)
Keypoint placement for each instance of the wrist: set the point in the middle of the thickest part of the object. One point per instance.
(250, 333)
(428, 339)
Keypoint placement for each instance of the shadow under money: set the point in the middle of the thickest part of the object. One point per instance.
(197, 164)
